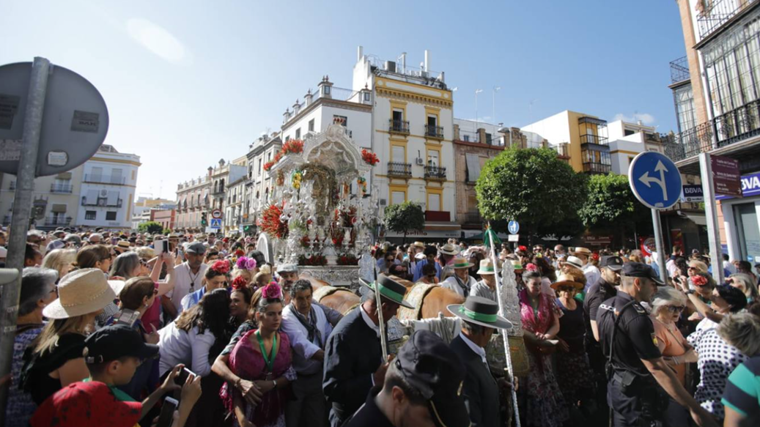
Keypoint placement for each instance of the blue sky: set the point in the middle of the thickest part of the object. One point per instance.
(189, 82)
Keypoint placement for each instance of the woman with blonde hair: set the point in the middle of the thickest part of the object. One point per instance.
(744, 282)
(263, 277)
(60, 260)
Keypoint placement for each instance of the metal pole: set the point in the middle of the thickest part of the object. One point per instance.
(380, 320)
(658, 244)
(711, 215)
(22, 209)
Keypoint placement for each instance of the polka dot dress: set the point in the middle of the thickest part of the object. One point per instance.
(717, 359)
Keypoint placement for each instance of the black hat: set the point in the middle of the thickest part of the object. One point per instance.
(113, 342)
(433, 369)
(197, 248)
(390, 290)
(614, 263)
(639, 269)
(481, 311)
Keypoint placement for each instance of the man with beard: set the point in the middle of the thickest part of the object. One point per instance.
(189, 278)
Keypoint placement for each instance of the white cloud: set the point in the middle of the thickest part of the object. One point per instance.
(158, 40)
(645, 118)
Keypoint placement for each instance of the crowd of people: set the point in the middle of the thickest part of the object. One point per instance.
(112, 326)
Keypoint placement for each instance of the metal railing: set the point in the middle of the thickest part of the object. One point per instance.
(679, 70)
(102, 202)
(60, 188)
(58, 221)
(734, 126)
(712, 14)
(596, 167)
(467, 136)
(594, 139)
(105, 179)
(435, 172)
(400, 169)
(433, 131)
(398, 126)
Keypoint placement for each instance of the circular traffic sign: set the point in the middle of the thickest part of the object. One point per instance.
(74, 119)
(216, 213)
(655, 180)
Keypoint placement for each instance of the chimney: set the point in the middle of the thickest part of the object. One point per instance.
(359, 53)
(427, 61)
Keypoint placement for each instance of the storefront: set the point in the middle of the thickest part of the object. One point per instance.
(740, 220)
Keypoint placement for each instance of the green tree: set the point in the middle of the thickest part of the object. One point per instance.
(532, 186)
(612, 206)
(404, 217)
(151, 227)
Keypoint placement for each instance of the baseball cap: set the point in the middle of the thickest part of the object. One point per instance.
(614, 263)
(113, 342)
(90, 403)
(431, 367)
(197, 248)
(639, 269)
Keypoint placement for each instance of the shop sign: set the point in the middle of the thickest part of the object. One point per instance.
(750, 186)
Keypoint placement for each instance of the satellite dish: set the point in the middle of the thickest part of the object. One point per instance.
(74, 121)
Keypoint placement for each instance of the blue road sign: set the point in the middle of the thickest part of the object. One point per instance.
(216, 223)
(513, 227)
(655, 180)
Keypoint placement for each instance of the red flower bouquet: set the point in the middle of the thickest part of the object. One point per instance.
(345, 259)
(316, 260)
(270, 222)
(294, 146)
(221, 266)
(370, 158)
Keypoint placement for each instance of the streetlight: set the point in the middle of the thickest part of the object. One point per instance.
(493, 113)
(477, 91)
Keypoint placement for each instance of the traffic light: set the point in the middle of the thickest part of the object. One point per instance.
(204, 220)
(247, 229)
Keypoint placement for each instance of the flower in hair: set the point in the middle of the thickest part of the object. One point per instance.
(239, 283)
(531, 267)
(250, 264)
(522, 249)
(239, 252)
(272, 291)
(222, 267)
(699, 280)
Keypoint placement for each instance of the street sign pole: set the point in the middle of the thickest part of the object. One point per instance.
(711, 215)
(658, 243)
(22, 207)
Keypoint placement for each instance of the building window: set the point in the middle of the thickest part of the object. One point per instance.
(90, 215)
(110, 216)
(298, 133)
(628, 132)
(466, 138)
(287, 138)
(340, 120)
(367, 96)
(488, 138)
(311, 125)
(684, 98)
(398, 197)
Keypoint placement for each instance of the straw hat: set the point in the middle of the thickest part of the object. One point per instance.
(419, 245)
(81, 292)
(566, 279)
(486, 267)
(575, 262)
(582, 251)
(449, 249)
(460, 262)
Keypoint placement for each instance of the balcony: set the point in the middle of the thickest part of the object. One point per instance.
(473, 218)
(679, 70)
(54, 221)
(398, 126)
(735, 126)
(437, 216)
(401, 170)
(61, 188)
(102, 202)
(466, 136)
(105, 179)
(596, 168)
(712, 15)
(594, 139)
(433, 131)
(435, 172)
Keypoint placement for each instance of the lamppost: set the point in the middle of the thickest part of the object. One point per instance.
(477, 91)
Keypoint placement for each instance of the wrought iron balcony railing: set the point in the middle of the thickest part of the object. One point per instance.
(57, 221)
(596, 167)
(713, 14)
(594, 139)
(60, 188)
(679, 70)
(398, 126)
(105, 179)
(403, 170)
(432, 131)
(435, 172)
(102, 202)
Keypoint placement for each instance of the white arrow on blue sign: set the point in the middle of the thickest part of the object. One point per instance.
(655, 180)
(215, 223)
(513, 227)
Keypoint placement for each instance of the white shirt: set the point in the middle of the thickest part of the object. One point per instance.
(303, 349)
(453, 284)
(480, 351)
(185, 282)
(592, 275)
(191, 349)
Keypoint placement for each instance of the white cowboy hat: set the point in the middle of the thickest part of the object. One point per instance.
(81, 292)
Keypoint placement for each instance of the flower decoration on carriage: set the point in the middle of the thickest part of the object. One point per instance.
(362, 183)
(293, 146)
(239, 283)
(272, 291)
(271, 221)
(370, 158)
(245, 263)
(222, 267)
(297, 177)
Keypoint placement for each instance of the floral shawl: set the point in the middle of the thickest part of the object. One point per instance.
(545, 313)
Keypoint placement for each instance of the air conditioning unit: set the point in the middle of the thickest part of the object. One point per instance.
(419, 161)
(103, 193)
(390, 66)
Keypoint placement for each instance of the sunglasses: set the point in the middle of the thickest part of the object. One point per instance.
(676, 308)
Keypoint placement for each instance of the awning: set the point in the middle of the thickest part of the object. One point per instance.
(473, 167)
(63, 176)
(58, 209)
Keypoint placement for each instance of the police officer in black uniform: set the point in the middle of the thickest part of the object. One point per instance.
(637, 374)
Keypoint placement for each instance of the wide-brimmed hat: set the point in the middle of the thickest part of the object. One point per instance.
(419, 245)
(389, 289)
(480, 311)
(449, 249)
(486, 267)
(81, 292)
(575, 262)
(567, 280)
(122, 244)
(460, 263)
(582, 251)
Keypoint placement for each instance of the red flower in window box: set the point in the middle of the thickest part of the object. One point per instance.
(370, 158)
(294, 146)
